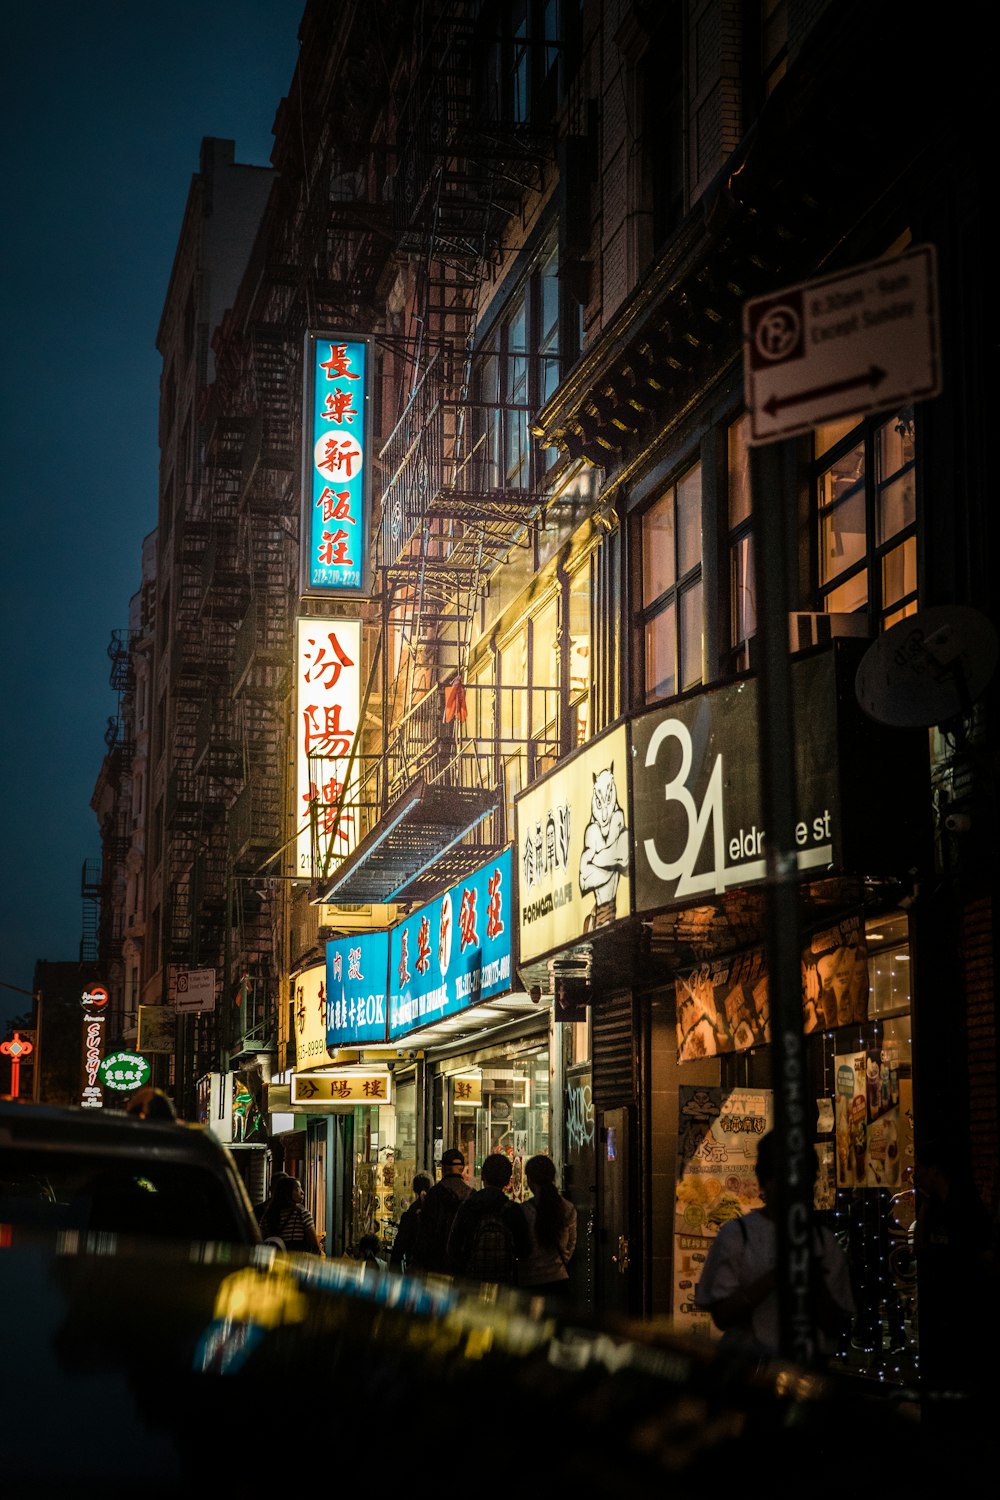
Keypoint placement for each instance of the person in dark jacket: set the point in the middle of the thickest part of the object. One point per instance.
(430, 1248)
(406, 1234)
(489, 1235)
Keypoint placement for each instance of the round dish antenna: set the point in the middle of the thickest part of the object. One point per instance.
(928, 668)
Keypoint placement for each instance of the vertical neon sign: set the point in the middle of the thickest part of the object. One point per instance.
(336, 466)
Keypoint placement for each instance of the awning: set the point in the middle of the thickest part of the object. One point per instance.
(415, 849)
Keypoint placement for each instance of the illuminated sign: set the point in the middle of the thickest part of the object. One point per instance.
(95, 998)
(356, 969)
(328, 702)
(124, 1071)
(453, 952)
(573, 841)
(91, 1094)
(337, 466)
(342, 1088)
(309, 1016)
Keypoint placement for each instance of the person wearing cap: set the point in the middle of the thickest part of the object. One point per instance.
(430, 1250)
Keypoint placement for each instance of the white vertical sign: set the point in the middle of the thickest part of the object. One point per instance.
(328, 702)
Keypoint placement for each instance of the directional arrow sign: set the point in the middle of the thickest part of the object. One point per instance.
(866, 340)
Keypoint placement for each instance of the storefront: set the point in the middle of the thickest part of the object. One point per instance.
(642, 866)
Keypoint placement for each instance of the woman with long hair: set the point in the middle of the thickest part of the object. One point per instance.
(551, 1221)
(287, 1219)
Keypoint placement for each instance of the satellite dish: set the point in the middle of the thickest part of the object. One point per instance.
(928, 668)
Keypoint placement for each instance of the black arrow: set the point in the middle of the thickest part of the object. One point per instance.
(874, 377)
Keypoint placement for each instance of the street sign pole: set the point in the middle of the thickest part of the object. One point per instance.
(772, 492)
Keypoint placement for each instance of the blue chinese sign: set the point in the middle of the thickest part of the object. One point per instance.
(356, 969)
(336, 466)
(452, 952)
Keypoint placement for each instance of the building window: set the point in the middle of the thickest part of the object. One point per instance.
(521, 363)
(866, 517)
(672, 615)
(524, 52)
(742, 580)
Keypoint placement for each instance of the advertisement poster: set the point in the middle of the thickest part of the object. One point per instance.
(872, 1119)
(724, 1007)
(716, 1180)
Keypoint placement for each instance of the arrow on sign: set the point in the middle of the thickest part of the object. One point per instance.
(873, 378)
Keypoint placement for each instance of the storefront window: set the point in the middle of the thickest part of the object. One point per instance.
(502, 1106)
(373, 1198)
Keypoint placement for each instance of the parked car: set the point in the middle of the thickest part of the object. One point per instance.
(65, 1168)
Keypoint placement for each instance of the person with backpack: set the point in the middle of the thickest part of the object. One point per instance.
(489, 1235)
(429, 1250)
(551, 1224)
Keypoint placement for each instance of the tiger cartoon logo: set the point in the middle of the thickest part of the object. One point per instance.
(605, 849)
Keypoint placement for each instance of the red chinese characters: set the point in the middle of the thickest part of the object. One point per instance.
(335, 505)
(337, 367)
(494, 907)
(423, 959)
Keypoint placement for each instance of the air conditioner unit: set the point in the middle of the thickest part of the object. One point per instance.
(806, 630)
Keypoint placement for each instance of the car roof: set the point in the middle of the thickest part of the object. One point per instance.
(28, 1125)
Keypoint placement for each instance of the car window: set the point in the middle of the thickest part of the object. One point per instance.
(165, 1200)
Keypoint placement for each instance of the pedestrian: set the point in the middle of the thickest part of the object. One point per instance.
(151, 1104)
(738, 1285)
(551, 1222)
(285, 1217)
(489, 1234)
(409, 1222)
(429, 1251)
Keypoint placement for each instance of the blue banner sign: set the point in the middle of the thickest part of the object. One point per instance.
(355, 989)
(336, 466)
(453, 952)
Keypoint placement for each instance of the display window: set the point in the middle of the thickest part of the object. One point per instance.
(501, 1106)
(862, 1079)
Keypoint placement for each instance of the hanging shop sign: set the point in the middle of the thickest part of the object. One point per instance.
(123, 1072)
(328, 702)
(356, 975)
(94, 1022)
(453, 952)
(696, 787)
(347, 1087)
(337, 466)
(157, 1029)
(573, 843)
(724, 1006)
(309, 1016)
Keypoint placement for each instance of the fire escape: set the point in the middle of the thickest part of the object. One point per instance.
(460, 488)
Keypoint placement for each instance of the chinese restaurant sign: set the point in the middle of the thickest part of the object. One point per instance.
(336, 466)
(328, 700)
(356, 971)
(124, 1071)
(723, 1006)
(309, 1016)
(573, 839)
(453, 952)
(341, 1088)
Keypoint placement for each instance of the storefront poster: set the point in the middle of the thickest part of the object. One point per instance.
(716, 1180)
(356, 975)
(573, 838)
(453, 952)
(724, 1006)
(872, 1126)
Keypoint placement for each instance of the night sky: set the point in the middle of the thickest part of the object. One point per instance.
(103, 107)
